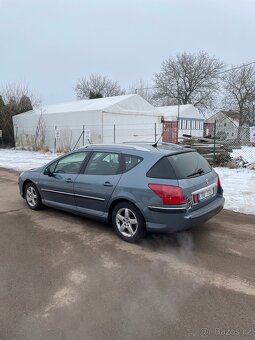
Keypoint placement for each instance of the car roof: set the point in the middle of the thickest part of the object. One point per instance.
(156, 148)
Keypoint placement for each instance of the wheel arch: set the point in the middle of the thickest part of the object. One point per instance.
(24, 186)
(120, 200)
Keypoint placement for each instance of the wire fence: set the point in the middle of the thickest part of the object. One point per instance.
(230, 144)
(221, 142)
(62, 138)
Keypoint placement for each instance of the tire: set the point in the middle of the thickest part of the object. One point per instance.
(33, 197)
(128, 222)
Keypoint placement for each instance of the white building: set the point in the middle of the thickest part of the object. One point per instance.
(103, 120)
(227, 123)
(191, 121)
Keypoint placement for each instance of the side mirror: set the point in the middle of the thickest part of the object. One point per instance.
(47, 172)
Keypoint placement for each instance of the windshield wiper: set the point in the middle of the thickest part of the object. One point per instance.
(198, 172)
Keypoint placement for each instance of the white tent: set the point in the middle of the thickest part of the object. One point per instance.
(104, 120)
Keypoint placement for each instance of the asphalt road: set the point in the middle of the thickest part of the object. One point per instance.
(66, 277)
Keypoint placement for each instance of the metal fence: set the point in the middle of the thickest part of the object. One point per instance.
(231, 143)
(61, 138)
(223, 144)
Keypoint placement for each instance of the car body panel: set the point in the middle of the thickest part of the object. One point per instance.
(58, 189)
(92, 192)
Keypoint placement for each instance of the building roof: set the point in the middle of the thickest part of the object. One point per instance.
(233, 116)
(185, 111)
(130, 103)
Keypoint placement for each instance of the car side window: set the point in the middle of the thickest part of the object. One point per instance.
(103, 163)
(130, 161)
(162, 169)
(70, 164)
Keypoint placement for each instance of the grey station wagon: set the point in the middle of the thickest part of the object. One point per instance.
(138, 188)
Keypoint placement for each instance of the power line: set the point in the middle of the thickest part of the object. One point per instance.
(237, 67)
(221, 72)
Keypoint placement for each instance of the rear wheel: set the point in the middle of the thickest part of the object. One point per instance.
(128, 222)
(33, 197)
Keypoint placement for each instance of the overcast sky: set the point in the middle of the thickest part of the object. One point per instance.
(49, 44)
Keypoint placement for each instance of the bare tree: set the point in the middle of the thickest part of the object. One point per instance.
(15, 98)
(250, 112)
(239, 85)
(20, 92)
(97, 86)
(188, 79)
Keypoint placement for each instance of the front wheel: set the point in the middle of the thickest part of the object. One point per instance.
(128, 222)
(33, 197)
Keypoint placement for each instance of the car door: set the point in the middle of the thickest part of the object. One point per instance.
(57, 181)
(93, 188)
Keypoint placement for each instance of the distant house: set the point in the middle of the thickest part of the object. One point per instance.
(190, 120)
(227, 123)
(227, 126)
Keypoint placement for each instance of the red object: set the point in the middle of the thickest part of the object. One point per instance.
(169, 194)
(219, 184)
(170, 132)
(195, 198)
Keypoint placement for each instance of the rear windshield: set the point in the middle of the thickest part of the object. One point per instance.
(179, 166)
(189, 164)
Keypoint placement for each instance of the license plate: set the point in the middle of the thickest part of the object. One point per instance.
(207, 193)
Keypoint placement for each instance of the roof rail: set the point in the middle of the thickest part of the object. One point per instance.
(129, 146)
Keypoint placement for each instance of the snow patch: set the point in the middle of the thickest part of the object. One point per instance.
(77, 277)
(246, 152)
(239, 189)
(61, 298)
(22, 160)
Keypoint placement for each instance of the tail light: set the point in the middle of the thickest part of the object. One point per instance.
(169, 194)
(219, 184)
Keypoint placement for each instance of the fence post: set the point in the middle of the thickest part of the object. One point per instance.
(155, 131)
(55, 140)
(214, 142)
(83, 131)
(16, 135)
(114, 130)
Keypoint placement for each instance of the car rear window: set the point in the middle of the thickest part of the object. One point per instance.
(179, 166)
(189, 164)
(162, 169)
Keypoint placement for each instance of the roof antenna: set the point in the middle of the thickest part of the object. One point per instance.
(162, 134)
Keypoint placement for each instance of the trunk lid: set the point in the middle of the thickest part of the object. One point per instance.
(200, 190)
(196, 177)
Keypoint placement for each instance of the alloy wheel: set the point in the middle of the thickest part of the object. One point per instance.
(126, 222)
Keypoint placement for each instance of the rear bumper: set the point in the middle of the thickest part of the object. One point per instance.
(181, 219)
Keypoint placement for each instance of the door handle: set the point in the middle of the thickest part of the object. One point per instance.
(108, 184)
(69, 180)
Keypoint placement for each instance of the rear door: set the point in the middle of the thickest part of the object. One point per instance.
(93, 188)
(195, 176)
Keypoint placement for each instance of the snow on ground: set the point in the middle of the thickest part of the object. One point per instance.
(238, 184)
(247, 152)
(239, 189)
(21, 160)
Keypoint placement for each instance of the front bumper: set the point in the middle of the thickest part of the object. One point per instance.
(178, 219)
(20, 183)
